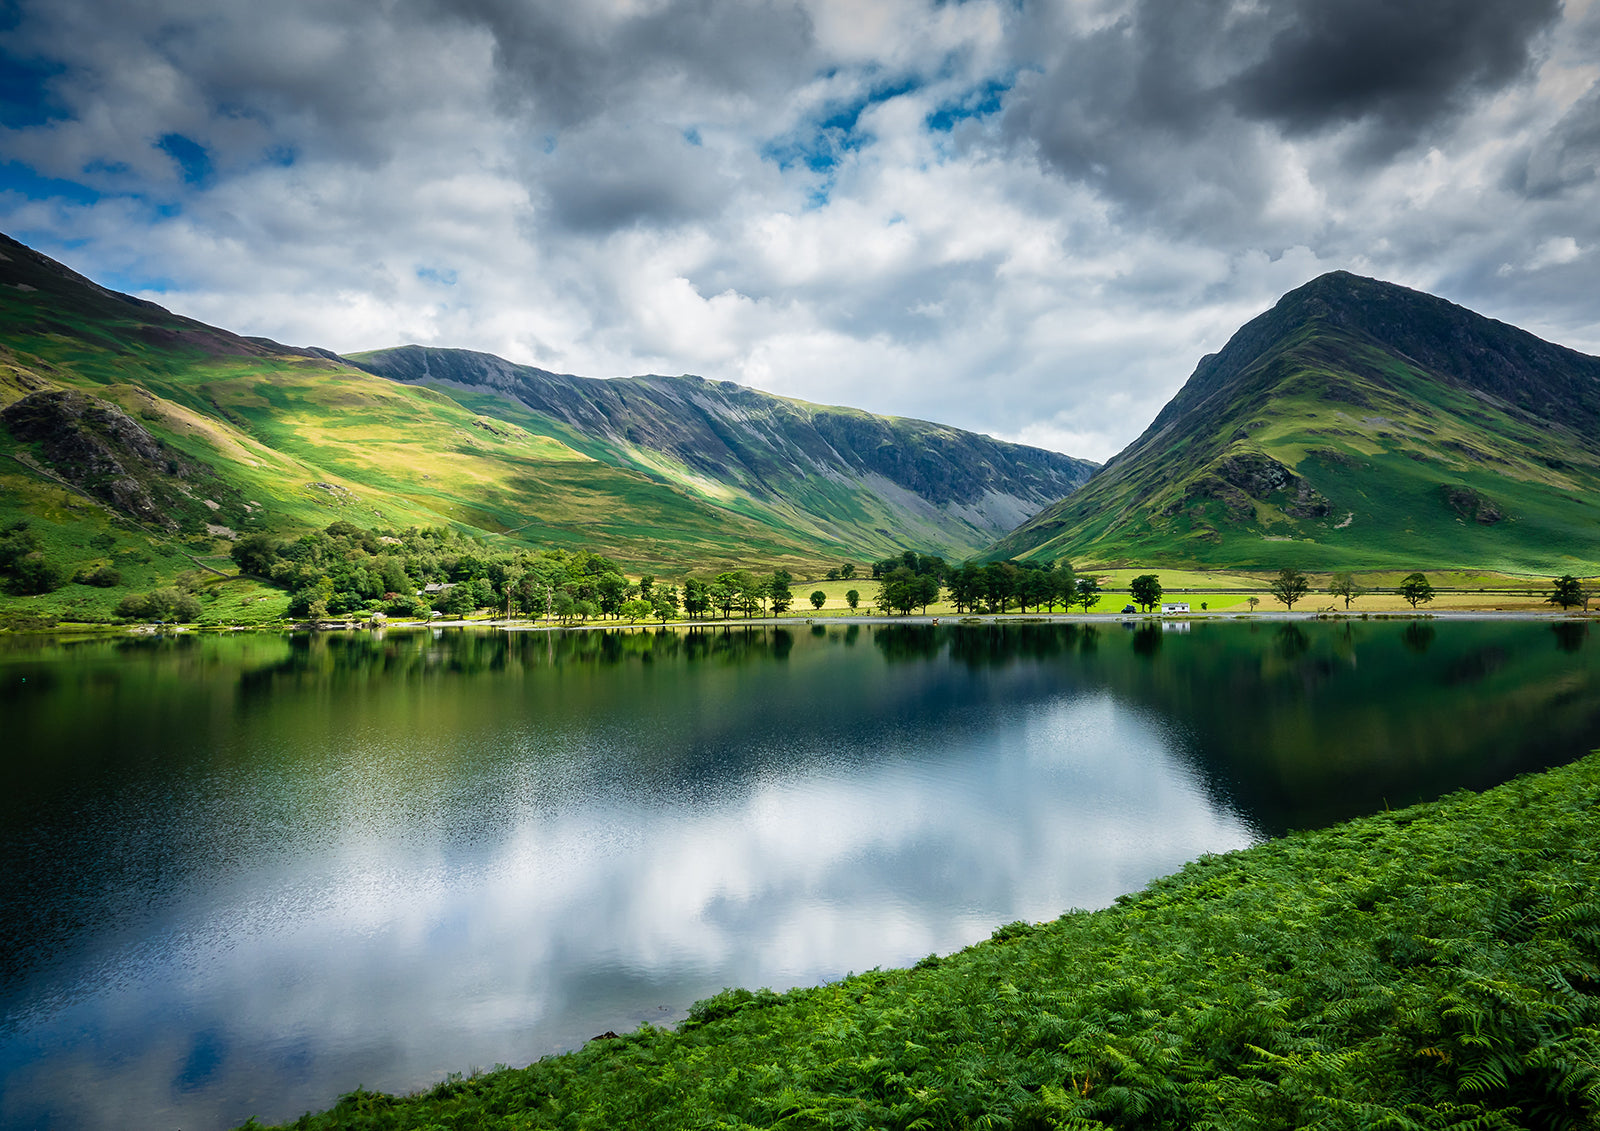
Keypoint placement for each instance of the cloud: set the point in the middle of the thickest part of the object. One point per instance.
(1402, 67)
(1026, 219)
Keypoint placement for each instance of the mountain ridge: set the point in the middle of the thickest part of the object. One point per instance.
(769, 446)
(1279, 448)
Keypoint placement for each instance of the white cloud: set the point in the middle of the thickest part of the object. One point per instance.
(1023, 221)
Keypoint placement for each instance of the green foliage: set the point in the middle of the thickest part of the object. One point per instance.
(166, 604)
(817, 598)
(1344, 584)
(100, 576)
(902, 589)
(1363, 976)
(778, 589)
(1145, 591)
(1289, 586)
(1416, 589)
(23, 566)
(346, 569)
(852, 597)
(1567, 592)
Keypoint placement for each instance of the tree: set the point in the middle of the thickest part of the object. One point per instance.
(611, 590)
(997, 585)
(1146, 591)
(636, 610)
(165, 604)
(1415, 589)
(1289, 586)
(902, 589)
(724, 592)
(1565, 591)
(664, 599)
(966, 586)
(1064, 585)
(100, 576)
(782, 598)
(847, 571)
(255, 553)
(852, 598)
(1087, 593)
(1252, 602)
(753, 593)
(696, 598)
(32, 574)
(818, 598)
(1034, 587)
(1344, 585)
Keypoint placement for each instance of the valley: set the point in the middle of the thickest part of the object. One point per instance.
(1356, 426)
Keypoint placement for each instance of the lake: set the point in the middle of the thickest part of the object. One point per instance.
(240, 875)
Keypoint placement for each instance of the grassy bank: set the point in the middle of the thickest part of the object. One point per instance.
(1433, 967)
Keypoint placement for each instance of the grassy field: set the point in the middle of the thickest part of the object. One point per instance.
(1362, 976)
(1228, 591)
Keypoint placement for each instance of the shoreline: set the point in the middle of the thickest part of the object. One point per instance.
(942, 620)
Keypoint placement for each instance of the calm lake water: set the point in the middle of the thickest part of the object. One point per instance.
(241, 875)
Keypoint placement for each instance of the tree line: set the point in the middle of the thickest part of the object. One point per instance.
(345, 569)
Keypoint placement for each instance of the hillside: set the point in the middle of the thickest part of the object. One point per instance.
(141, 442)
(1356, 424)
(838, 474)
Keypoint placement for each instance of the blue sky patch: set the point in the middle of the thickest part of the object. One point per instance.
(985, 100)
(25, 96)
(834, 135)
(190, 155)
(444, 276)
(133, 283)
(20, 178)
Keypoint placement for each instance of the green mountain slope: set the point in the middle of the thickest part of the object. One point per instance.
(838, 475)
(1357, 424)
(138, 440)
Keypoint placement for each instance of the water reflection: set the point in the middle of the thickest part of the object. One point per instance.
(241, 875)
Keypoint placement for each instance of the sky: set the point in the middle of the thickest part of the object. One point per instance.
(1029, 219)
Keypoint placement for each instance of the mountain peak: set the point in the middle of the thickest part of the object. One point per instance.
(1352, 411)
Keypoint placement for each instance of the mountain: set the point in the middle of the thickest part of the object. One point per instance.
(143, 442)
(1356, 424)
(842, 476)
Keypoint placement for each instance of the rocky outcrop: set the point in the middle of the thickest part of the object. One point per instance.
(1470, 505)
(1241, 477)
(101, 450)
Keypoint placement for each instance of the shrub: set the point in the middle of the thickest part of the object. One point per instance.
(101, 577)
(165, 604)
(32, 574)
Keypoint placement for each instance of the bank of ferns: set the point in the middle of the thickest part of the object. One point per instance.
(1433, 968)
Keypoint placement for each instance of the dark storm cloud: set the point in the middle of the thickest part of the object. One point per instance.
(1164, 104)
(565, 63)
(1404, 65)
